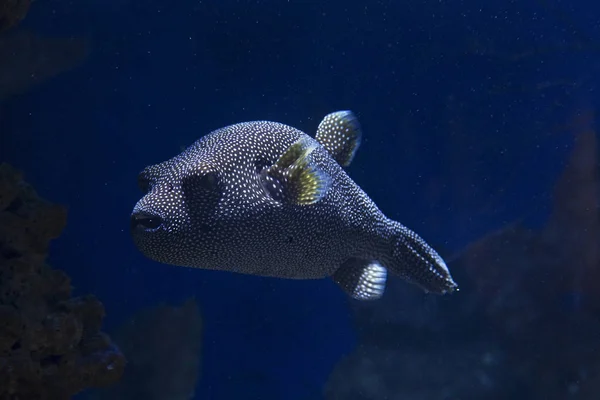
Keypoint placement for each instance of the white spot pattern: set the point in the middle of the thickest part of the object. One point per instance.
(216, 213)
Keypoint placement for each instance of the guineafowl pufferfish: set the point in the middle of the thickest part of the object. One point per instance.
(264, 198)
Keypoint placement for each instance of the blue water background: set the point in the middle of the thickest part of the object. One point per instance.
(459, 140)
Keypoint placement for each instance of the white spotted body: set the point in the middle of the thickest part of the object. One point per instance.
(264, 198)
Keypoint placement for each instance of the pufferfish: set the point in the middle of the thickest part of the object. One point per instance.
(264, 198)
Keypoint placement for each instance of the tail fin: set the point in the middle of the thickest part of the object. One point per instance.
(415, 261)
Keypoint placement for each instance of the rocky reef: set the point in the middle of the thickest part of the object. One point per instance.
(163, 348)
(12, 12)
(526, 323)
(51, 346)
(29, 59)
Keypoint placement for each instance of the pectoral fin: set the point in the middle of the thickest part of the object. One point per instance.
(294, 178)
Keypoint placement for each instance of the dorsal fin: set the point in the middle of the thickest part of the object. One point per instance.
(340, 134)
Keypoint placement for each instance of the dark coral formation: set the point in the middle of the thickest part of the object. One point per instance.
(29, 59)
(12, 12)
(51, 346)
(468, 371)
(526, 323)
(163, 349)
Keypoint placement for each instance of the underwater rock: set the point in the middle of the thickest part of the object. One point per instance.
(522, 276)
(45, 334)
(394, 317)
(163, 349)
(29, 59)
(574, 227)
(373, 372)
(539, 288)
(12, 12)
(531, 295)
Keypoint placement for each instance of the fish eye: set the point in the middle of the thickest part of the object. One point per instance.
(261, 163)
(206, 182)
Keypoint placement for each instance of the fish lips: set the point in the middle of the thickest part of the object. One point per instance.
(143, 222)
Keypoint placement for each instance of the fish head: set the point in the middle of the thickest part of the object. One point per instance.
(175, 219)
(200, 207)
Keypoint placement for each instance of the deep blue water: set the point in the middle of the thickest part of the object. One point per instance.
(461, 136)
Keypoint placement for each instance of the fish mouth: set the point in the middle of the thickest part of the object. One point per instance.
(142, 221)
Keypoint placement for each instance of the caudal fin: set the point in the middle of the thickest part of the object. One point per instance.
(415, 261)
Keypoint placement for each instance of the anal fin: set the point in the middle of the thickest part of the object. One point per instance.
(361, 279)
(340, 134)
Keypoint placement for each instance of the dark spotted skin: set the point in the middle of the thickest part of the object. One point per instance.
(208, 208)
